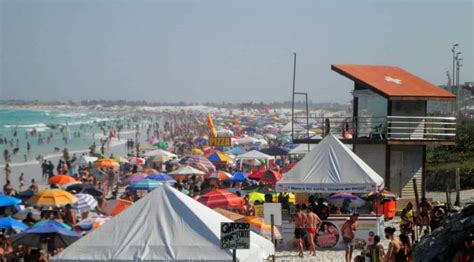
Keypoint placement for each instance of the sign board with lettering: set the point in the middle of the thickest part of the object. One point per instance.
(259, 210)
(274, 209)
(220, 141)
(235, 235)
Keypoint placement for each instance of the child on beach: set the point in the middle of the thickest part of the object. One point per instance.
(22, 181)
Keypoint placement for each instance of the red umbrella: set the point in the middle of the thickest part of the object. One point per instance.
(288, 167)
(257, 174)
(221, 198)
(270, 176)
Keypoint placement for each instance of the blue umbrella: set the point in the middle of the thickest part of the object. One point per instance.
(34, 236)
(163, 178)
(237, 177)
(145, 184)
(8, 201)
(10, 223)
(237, 151)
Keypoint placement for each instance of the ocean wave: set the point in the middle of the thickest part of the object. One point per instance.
(71, 115)
(38, 129)
(39, 125)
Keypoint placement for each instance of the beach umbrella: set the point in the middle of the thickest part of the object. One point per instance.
(197, 151)
(257, 174)
(106, 163)
(270, 176)
(61, 179)
(218, 157)
(237, 177)
(92, 223)
(339, 198)
(135, 178)
(137, 161)
(121, 159)
(54, 222)
(161, 144)
(200, 163)
(34, 236)
(84, 160)
(220, 175)
(24, 195)
(10, 223)
(84, 203)
(153, 140)
(257, 225)
(221, 198)
(9, 201)
(163, 178)
(159, 152)
(381, 196)
(229, 214)
(20, 215)
(187, 171)
(52, 198)
(274, 151)
(161, 158)
(65, 186)
(145, 184)
(291, 197)
(256, 196)
(237, 151)
(115, 206)
(85, 189)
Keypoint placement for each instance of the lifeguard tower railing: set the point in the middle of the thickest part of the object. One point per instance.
(388, 129)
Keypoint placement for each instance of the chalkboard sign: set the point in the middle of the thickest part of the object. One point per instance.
(235, 235)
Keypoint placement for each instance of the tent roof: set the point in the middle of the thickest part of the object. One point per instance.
(274, 151)
(287, 127)
(159, 152)
(254, 154)
(331, 167)
(164, 225)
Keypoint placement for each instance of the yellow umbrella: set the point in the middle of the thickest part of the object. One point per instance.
(106, 163)
(121, 159)
(257, 225)
(197, 151)
(52, 198)
(254, 196)
(291, 197)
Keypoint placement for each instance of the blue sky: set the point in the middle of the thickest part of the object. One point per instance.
(200, 51)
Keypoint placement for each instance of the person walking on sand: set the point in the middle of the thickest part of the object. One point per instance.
(348, 234)
(21, 179)
(312, 225)
(8, 172)
(299, 218)
(394, 246)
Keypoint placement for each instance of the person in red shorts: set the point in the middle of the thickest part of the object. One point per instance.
(312, 225)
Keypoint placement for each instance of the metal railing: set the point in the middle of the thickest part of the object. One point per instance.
(382, 128)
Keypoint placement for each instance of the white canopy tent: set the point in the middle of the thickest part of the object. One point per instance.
(159, 152)
(331, 167)
(252, 155)
(165, 225)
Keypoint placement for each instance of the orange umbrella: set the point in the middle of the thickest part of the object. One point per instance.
(52, 198)
(114, 207)
(106, 163)
(61, 179)
(221, 198)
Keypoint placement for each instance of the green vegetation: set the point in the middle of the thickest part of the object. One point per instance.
(443, 160)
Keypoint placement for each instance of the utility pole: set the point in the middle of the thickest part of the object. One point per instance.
(450, 88)
(458, 88)
(293, 99)
(453, 73)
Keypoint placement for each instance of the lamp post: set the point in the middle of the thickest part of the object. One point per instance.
(458, 65)
(453, 50)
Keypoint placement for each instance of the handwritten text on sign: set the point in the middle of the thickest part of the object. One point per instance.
(235, 235)
(220, 141)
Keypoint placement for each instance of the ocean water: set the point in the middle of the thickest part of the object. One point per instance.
(57, 124)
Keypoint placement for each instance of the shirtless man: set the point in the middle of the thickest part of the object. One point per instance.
(394, 246)
(299, 218)
(348, 234)
(312, 225)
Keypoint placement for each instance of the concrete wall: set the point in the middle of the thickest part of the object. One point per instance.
(373, 155)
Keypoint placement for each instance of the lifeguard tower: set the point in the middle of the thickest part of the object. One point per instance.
(390, 127)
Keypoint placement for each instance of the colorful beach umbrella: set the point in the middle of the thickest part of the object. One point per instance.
(197, 151)
(85, 189)
(271, 177)
(52, 198)
(219, 175)
(115, 206)
(237, 151)
(163, 178)
(54, 222)
(85, 203)
(61, 179)
(221, 198)
(257, 225)
(92, 223)
(9, 201)
(339, 198)
(135, 178)
(106, 163)
(218, 157)
(145, 184)
(10, 223)
(200, 163)
(187, 171)
(257, 174)
(256, 196)
(161, 158)
(137, 161)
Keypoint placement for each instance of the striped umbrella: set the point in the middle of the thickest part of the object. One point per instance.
(220, 175)
(145, 184)
(85, 203)
(221, 198)
(200, 163)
